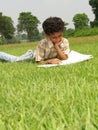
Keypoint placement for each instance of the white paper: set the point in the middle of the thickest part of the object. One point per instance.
(73, 57)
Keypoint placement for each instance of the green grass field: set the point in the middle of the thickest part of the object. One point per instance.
(55, 98)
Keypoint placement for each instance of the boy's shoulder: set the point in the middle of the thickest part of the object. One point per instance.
(65, 39)
(44, 41)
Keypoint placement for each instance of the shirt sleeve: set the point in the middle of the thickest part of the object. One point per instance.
(39, 52)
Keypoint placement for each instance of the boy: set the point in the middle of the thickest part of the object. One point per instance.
(50, 50)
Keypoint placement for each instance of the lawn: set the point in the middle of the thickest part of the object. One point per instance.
(55, 98)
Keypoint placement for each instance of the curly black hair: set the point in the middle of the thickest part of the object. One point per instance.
(52, 25)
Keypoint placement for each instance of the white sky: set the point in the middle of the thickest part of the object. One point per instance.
(42, 9)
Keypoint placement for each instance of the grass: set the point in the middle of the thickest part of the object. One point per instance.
(57, 98)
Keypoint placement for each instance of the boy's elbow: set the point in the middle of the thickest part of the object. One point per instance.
(65, 57)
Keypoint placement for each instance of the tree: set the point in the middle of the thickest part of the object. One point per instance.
(6, 27)
(80, 21)
(28, 23)
(94, 4)
(69, 32)
(65, 28)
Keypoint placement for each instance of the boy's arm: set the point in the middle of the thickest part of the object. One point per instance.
(60, 52)
(50, 61)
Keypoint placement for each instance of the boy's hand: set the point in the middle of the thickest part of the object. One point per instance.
(50, 61)
(54, 61)
(57, 44)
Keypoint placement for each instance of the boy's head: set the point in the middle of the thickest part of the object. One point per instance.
(53, 28)
(52, 25)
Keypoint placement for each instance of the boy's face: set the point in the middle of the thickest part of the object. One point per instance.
(55, 37)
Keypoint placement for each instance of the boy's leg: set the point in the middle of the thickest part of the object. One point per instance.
(7, 57)
(29, 55)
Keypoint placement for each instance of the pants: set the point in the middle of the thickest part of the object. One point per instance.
(29, 55)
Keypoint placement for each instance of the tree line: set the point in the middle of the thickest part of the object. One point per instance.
(27, 27)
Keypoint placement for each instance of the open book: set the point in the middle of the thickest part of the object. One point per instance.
(73, 57)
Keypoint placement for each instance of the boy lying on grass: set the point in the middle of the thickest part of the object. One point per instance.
(50, 50)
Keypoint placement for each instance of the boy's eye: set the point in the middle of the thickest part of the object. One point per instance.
(53, 37)
(57, 37)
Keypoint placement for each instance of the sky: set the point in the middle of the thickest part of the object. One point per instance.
(42, 9)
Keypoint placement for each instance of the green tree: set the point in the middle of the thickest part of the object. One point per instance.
(28, 23)
(65, 28)
(69, 32)
(6, 27)
(80, 21)
(94, 5)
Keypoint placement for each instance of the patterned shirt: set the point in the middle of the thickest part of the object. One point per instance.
(46, 50)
